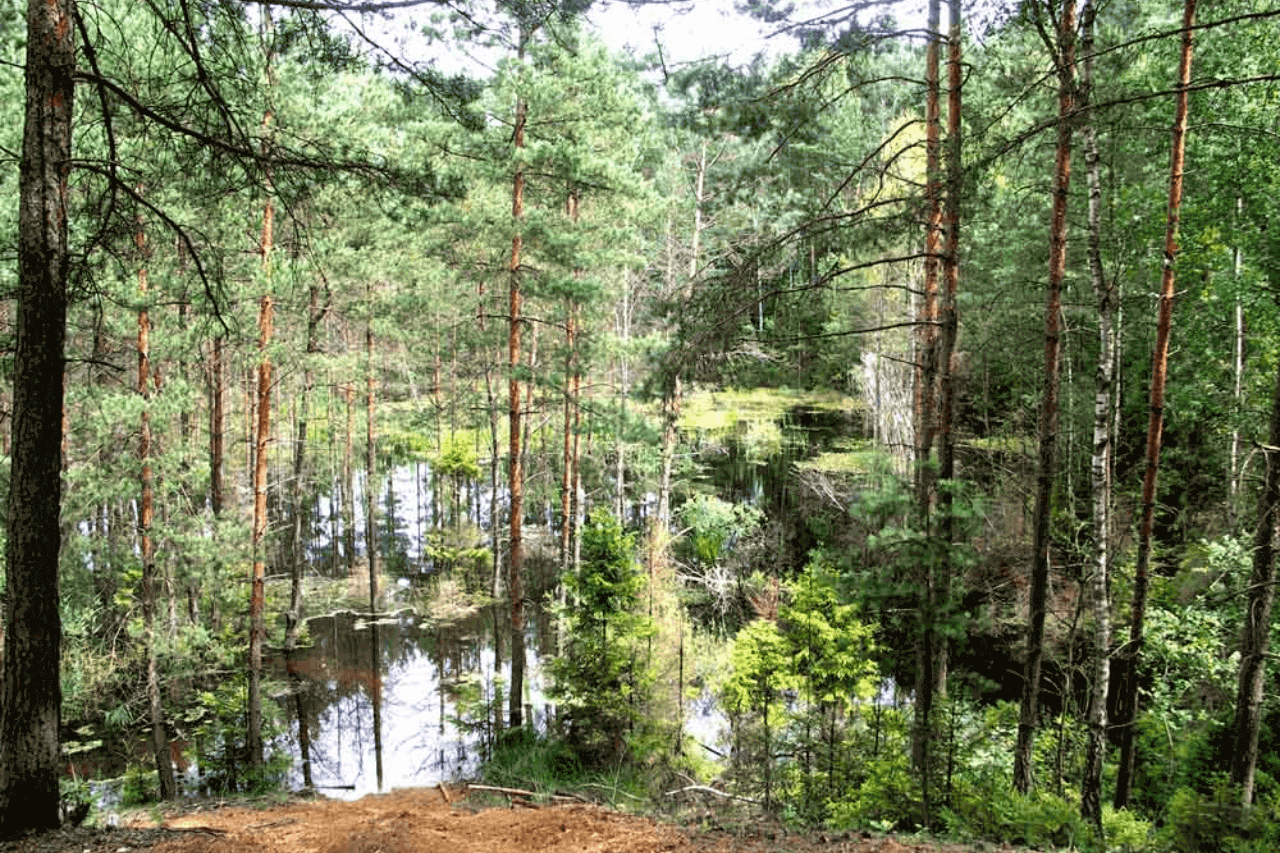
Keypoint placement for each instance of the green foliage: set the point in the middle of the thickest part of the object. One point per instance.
(219, 732)
(1126, 832)
(457, 459)
(546, 765)
(831, 648)
(885, 798)
(1200, 822)
(796, 696)
(1037, 819)
(715, 524)
(139, 785)
(602, 679)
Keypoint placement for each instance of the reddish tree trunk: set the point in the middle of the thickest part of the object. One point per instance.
(515, 481)
(159, 739)
(1128, 705)
(1027, 719)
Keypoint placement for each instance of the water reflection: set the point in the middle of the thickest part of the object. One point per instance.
(396, 702)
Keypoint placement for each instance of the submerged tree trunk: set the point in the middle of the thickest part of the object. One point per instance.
(1155, 423)
(1023, 777)
(32, 701)
(1100, 464)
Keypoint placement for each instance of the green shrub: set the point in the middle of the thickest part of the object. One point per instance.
(999, 813)
(889, 798)
(1126, 832)
(139, 786)
(1197, 822)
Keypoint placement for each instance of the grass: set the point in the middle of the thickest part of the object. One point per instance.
(547, 767)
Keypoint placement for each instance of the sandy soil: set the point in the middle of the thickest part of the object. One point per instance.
(422, 821)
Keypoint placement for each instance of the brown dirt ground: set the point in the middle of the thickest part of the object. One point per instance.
(420, 820)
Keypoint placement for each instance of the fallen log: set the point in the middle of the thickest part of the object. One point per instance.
(705, 789)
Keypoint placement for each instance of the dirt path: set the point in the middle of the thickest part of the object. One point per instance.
(421, 821)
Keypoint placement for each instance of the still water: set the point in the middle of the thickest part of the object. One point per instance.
(398, 701)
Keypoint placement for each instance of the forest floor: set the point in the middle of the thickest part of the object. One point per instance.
(426, 820)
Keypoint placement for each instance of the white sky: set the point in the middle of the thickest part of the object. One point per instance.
(689, 30)
(699, 29)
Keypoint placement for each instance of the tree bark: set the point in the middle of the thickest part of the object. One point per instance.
(159, 739)
(1256, 632)
(371, 546)
(515, 482)
(1023, 778)
(262, 436)
(216, 428)
(926, 410)
(1128, 704)
(31, 712)
(1100, 464)
(297, 556)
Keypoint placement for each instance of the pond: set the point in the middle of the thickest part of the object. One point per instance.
(398, 701)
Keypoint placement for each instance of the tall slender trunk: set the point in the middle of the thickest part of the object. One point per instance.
(297, 549)
(349, 481)
(567, 460)
(570, 361)
(1256, 632)
(1023, 778)
(216, 428)
(926, 378)
(1155, 422)
(257, 600)
(1233, 471)
(370, 473)
(949, 332)
(515, 564)
(371, 543)
(146, 501)
(1100, 464)
(262, 433)
(624, 392)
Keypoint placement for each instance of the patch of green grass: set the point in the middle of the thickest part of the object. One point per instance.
(722, 409)
(853, 457)
(1019, 444)
(546, 766)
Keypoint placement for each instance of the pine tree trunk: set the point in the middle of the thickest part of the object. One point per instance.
(32, 700)
(515, 484)
(297, 548)
(159, 739)
(216, 428)
(1023, 779)
(257, 597)
(1155, 425)
(371, 547)
(261, 436)
(926, 388)
(370, 476)
(1100, 466)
